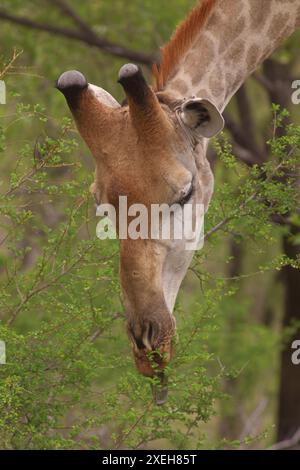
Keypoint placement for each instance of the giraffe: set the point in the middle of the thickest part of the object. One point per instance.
(153, 147)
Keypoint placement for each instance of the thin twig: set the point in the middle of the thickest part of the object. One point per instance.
(135, 424)
(16, 54)
(79, 35)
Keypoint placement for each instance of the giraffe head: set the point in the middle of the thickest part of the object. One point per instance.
(152, 150)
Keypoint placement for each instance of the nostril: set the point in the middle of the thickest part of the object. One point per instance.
(136, 335)
(144, 336)
(139, 343)
(153, 335)
(150, 335)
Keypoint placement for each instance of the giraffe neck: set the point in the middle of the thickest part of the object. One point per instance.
(238, 36)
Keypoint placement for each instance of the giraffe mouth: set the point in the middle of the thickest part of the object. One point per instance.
(160, 389)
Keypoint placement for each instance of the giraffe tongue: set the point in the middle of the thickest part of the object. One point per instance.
(160, 390)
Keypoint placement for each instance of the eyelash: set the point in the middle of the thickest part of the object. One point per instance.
(187, 197)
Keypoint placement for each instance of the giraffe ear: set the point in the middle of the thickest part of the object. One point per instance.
(202, 116)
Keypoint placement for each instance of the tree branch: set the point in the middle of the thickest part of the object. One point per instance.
(287, 443)
(246, 120)
(84, 35)
(239, 144)
(245, 146)
(67, 10)
(252, 421)
(263, 81)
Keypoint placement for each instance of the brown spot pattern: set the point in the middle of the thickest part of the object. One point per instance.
(253, 55)
(236, 83)
(232, 8)
(236, 52)
(259, 12)
(179, 86)
(213, 25)
(232, 32)
(278, 24)
(195, 59)
(216, 84)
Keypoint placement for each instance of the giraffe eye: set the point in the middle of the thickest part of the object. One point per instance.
(186, 195)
